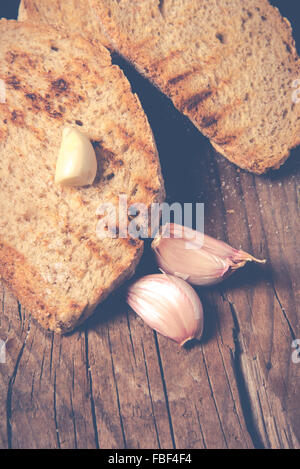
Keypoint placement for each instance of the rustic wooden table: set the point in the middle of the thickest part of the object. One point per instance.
(116, 384)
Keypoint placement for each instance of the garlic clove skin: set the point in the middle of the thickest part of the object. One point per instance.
(169, 305)
(76, 163)
(223, 250)
(200, 260)
(196, 267)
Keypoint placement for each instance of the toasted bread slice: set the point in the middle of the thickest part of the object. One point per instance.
(229, 65)
(50, 254)
(75, 16)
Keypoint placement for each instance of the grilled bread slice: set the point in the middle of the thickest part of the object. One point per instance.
(229, 65)
(75, 16)
(50, 254)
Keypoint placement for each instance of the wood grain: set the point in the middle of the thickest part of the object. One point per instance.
(116, 384)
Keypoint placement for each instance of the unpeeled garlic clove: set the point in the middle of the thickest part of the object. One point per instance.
(169, 305)
(200, 260)
(76, 163)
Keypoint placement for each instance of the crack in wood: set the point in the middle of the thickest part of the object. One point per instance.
(42, 366)
(73, 375)
(51, 353)
(263, 421)
(91, 396)
(10, 390)
(277, 433)
(241, 380)
(130, 337)
(150, 396)
(73, 421)
(20, 313)
(117, 390)
(200, 427)
(213, 398)
(230, 389)
(165, 390)
(292, 332)
(32, 387)
(55, 411)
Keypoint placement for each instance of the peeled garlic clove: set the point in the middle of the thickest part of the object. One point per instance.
(76, 163)
(168, 305)
(200, 260)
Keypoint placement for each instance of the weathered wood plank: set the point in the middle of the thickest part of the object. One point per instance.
(269, 308)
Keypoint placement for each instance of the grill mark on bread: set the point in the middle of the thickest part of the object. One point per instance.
(52, 112)
(14, 82)
(225, 140)
(178, 78)
(96, 251)
(39, 102)
(112, 159)
(10, 57)
(136, 143)
(60, 86)
(163, 60)
(209, 62)
(208, 121)
(31, 96)
(24, 58)
(201, 97)
(194, 100)
(17, 117)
